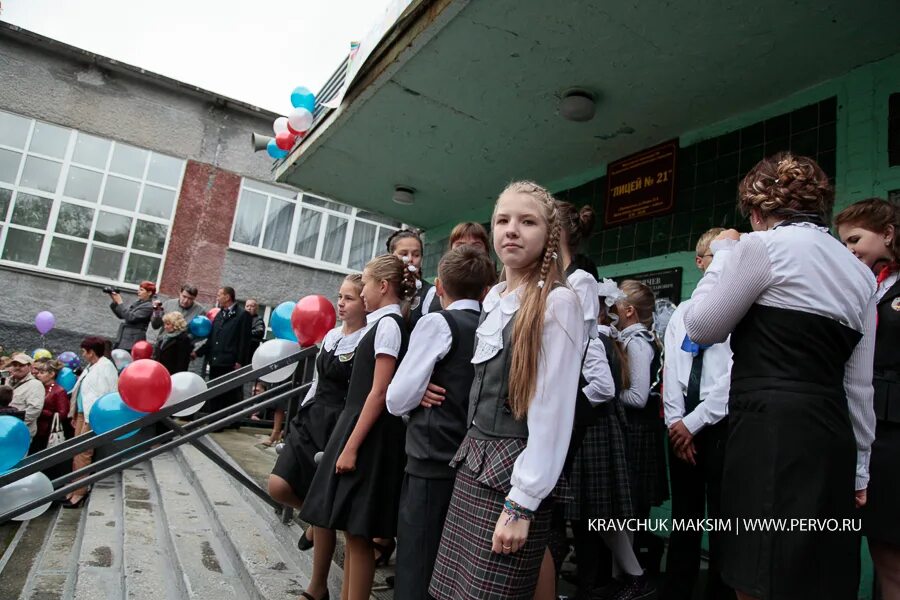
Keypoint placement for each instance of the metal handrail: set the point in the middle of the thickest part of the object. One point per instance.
(181, 434)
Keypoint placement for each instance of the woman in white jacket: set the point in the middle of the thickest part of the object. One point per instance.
(98, 379)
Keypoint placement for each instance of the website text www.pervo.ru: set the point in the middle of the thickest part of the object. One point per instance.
(735, 525)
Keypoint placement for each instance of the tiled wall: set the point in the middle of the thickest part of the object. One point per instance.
(707, 181)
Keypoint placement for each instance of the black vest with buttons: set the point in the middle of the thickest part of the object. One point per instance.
(433, 435)
(490, 416)
(886, 376)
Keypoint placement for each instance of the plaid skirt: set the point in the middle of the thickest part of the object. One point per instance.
(466, 567)
(598, 476)
(647, 464)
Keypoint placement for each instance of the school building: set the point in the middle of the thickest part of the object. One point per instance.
(457, 98)
(110, 175)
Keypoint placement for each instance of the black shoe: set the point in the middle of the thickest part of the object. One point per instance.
(79, 504)
(636, 588)
(608, 591)
(304, 543)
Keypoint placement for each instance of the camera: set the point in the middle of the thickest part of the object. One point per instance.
(110, 290)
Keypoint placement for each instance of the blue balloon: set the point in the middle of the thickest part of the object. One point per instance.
(109, 412)
(67, 379)
(280, 321)
(70, 359)
(14, 441)
(274, 151)
(200, 326)
(303, 98)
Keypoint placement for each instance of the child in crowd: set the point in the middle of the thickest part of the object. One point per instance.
(646, 437)
(442, 344)
(314, 423)
(469, 234)
(406, 244)
(356, 488)
(521, 410)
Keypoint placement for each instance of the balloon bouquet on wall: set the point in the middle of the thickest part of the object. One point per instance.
(291, 128)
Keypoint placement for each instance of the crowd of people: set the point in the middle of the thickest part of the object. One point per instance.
(470, 425)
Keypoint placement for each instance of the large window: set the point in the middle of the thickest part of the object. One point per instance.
(306, 228)
(77, 204)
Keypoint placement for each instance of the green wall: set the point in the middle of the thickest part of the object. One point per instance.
(861, 169)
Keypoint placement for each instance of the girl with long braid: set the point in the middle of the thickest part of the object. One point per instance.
(521, 410)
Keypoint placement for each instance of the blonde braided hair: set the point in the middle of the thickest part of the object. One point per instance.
(529, 326)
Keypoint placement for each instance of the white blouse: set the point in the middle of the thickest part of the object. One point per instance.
(638, 343)
(552, 409)
(588, 293)
(799, 267)
(387, 337)
(600, 386)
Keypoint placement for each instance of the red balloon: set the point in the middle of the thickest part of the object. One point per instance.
(141, 349)
(312, 318)
(145, 385)
(285, 140)
(211, 313)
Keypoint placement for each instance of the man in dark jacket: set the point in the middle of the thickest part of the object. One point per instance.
(135, 317)
(228, 345)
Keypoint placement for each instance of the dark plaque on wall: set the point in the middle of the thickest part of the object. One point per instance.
(641, 185)
(665, 283)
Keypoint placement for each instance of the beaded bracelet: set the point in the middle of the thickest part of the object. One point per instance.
(515, 512)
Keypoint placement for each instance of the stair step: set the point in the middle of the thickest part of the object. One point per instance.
(150, 569)
(206, 570)
(100, 567)
(271, 567)
(53, 576)
(23, 551)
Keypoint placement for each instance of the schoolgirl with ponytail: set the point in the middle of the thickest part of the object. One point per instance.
(356, 488)
(406, 244)
(641, 352)
(521, 410)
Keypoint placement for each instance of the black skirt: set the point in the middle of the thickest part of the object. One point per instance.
(880, 519)
(308, 435)
(646, 462)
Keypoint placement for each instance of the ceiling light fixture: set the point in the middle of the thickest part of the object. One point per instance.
(404, 195)
(577, 105)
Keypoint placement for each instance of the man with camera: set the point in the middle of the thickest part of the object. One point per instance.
(135, 317)
(186, 304)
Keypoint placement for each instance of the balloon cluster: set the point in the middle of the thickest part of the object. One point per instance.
(295, 325)
(294, 126)
(14, 442)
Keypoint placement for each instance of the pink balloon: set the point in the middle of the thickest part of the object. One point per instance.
(44, 321)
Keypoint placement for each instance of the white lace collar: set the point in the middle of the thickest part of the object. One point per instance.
(635, 331)
(498, 313)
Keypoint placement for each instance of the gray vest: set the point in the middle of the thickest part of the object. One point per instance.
(489, 414)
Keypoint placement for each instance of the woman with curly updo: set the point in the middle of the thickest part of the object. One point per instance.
(801, 313)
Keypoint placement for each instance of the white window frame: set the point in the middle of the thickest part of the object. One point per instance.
(296, 197)
(58, 197)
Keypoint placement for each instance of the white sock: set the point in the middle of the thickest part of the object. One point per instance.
(623, 554)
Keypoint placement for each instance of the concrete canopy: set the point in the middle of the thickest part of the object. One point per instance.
(466, 99)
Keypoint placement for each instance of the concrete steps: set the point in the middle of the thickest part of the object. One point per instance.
(176, 527)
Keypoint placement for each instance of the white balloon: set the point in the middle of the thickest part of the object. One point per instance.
(185, 385)
(300, 120)
(25, 490)
(280, 125)
(272, 351)
(121, 358)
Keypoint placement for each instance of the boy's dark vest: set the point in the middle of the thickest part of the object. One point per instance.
(433, 435)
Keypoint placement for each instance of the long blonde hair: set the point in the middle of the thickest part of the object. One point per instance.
(529, 326)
